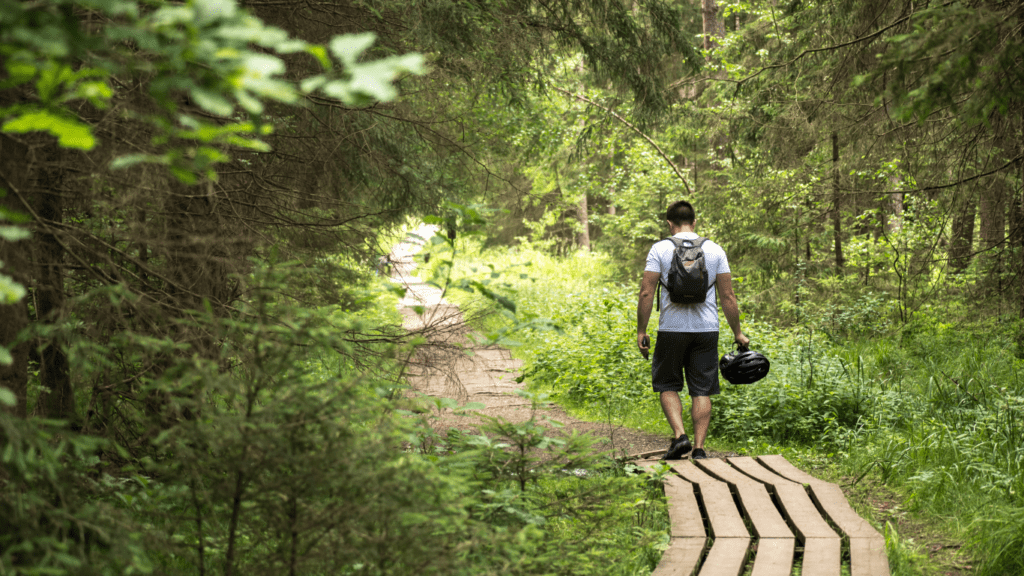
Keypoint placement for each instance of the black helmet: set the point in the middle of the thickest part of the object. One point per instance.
(743, 366)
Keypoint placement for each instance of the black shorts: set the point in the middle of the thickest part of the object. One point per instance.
(695, 353)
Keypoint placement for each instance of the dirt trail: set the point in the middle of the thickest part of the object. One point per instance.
(452, 366)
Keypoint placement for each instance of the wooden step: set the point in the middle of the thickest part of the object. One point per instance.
(822, 546)
(754, 499)
(731, 544)
(774, 557)
(681, 558)
(688, 537)
(683, 511)
(776, 543)
(867, 547)
(725, 519)
(727, 557)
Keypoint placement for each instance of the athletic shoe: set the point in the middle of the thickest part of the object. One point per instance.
(678, 448)
(698, 454)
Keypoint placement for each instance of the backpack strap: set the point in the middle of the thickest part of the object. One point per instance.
(700, 244)
(677, 242)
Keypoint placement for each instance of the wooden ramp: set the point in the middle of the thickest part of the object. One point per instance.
(764, 516)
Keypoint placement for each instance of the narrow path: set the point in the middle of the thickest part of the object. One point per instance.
(452, 366)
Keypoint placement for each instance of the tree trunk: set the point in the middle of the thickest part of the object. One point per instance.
(14, 259)
(837, 222)
(993, 210)
(961, 245)
(57, 399)
(713, 27)
(583, 238)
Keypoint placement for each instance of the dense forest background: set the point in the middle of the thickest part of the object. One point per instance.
(200, 370)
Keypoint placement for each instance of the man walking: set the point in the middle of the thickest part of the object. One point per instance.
(687, 333)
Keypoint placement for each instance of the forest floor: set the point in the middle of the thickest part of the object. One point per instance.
(451, 365)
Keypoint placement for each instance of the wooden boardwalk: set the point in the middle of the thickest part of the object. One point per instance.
(765, 515)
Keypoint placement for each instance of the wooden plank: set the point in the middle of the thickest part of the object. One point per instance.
(683, 512)
(822, 557)
(726, 557)
(867, 546)
(688, 470)
(832, 500)
(800, 510)
(754, 499)
(723, 516)
(755, 470)
(681, 558)
(783, 468)
(795, 502)
(868, 557)
(718, 468)
(774, 557)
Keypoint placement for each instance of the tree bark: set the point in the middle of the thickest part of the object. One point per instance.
(713, 27)
(961, 245)
(583, 238)
(837, 222)
(14, 256)
(993, 222)
(57, 398)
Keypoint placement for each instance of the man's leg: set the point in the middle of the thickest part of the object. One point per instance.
(700, 411)
(672, 406)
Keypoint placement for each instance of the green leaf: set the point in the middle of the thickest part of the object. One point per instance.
(183, 175)
(212, 102)
(70, 132)
(10, 291)
(320, 53)
(133, 159)
(7, 398)
(14, 233)
(208, 11)
(12, 216)
(312, 83)
(348, 47)
(19, 72)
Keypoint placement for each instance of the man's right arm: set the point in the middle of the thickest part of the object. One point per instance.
(644, 305)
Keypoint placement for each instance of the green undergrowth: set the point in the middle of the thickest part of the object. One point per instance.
(291, 452)
(932, 408)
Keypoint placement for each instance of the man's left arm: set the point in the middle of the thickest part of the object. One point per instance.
(730, 307)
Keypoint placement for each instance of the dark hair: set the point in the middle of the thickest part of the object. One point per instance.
(680, 213)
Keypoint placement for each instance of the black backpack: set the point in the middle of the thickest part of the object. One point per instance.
(688, 274)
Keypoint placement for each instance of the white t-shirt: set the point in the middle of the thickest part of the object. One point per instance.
(688, 317)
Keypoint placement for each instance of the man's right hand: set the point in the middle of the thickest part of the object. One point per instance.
(643, 342)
